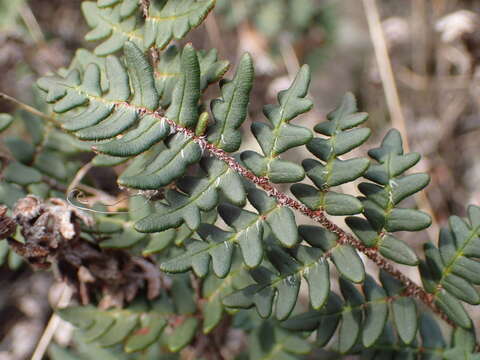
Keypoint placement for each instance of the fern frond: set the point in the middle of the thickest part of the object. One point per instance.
(127, 7)
(198, 194)
(169, 71)
(284, 282)
(360, 318)
(92, 113)
(183, 109)
(342, 136)
(383, 197)
(344, 256)
(214, 289)
(141, 324)
(271, 342)
(248, 234)
(290, 266)
(173, 19)
(450, 271)
(230, 112)
(114, 26)
(279, 135)
(162, 164)
(150, 113)
(86, 351)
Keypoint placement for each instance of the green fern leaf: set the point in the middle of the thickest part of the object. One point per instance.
(303, 261)
(404, 309)
(463, 346)
(169, 71)
(184, 107)
(140, 325)
(176, 236)
(112, 26)
(219, 245)
(452, 268)
(278, 136)
(346, 317)
(162, 166)
(341, 136)
(148, 132)
(376, 313)
(182, 335)
(80, 350)
(107, 3)
(333, 203)
(202, 194)
(248, 233)
(269, 342)
(346, 259)
(383, 198)
(128, 7)
(173, 19)
(231, 111)
(214, 289)
(21, 174)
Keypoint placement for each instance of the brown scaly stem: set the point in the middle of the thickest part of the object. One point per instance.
(411, 288)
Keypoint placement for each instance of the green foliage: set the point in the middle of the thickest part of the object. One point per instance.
(367, 320)
(169, 71)
(450, 271)
(279, 135)
(92, 350)
(112, 25)
(169, 20)
(247, 233)
(225, 239)
(268, 342)
(115, 22)
(342, 137)
(280, 276)
(230, 111)
(383, 197)
(141, 324)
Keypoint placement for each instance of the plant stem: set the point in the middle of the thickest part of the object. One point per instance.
(28, 108)
(411, 288)
(53, 324)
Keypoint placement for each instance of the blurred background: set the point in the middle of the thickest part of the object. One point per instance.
(427, 84)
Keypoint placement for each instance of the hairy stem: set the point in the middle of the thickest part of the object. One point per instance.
(411, 288)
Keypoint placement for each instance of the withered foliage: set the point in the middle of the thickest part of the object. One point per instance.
(53, 237)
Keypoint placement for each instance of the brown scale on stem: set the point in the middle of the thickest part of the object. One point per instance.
(411, 288)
